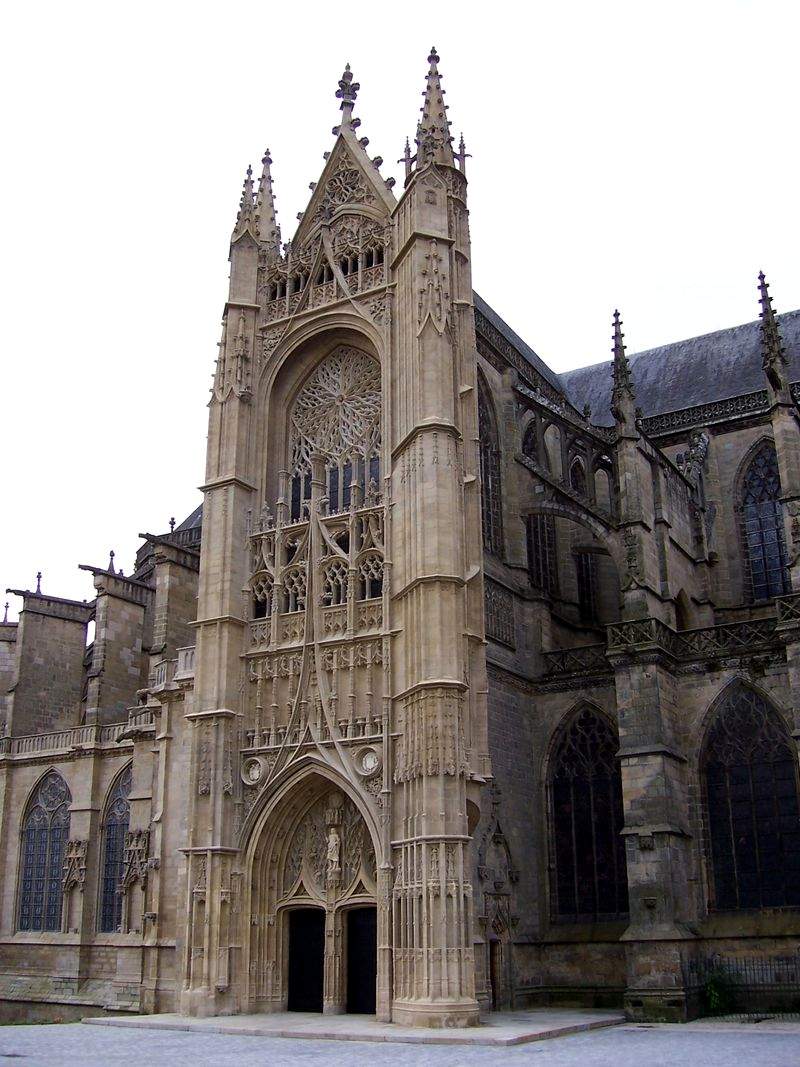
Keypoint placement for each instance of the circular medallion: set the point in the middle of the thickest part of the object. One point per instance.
(368, 761)
(252, 771)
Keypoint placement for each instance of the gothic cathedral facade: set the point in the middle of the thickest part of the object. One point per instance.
(469, 686)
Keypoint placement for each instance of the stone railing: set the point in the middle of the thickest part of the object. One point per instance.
(585, 659)
(185, 664)
(62, 740)
(727, 639)
(788, 608)
(162, 673)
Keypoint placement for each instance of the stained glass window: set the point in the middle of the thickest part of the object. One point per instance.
(590, 881)
(45, 831)
(586, 569)
(491, 499)
(761, 517)
(749, 770)
(542, 566)
(115, 826)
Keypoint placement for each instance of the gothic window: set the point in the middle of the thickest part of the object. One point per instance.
(589, 875)
(530, 444)
(761, 518)
(115, 826)
(542, 563)
(491, 500)
(334, 583)
(586, 571)
(262, 596)
(370, 577)
(337, 416)
(294, 590)
(750, 786)
(577, 477)
(45, 830)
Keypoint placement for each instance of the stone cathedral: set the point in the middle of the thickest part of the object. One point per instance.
(470, 686)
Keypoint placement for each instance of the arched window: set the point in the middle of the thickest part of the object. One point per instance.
(45, 831)
(337, 415)
(115, 825)
(761, 517)
(577, 476)
(586, 574)
(749, 773)
(530, 442)
(590, 881)
(542, 560)
(491, 499)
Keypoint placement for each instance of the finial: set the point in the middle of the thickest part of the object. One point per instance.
(773, 353)
(462, 155)
(38, 581)
(433, 58)
(5, 617)
(172, 524)
(111, 562)
(407, 158)
(347, 93)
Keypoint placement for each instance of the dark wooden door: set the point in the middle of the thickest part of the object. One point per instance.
(362, 960)
(306, 955)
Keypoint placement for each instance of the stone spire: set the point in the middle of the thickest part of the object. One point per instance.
(773, 354)
(266, 214)
(247, 219)
(434, 143)
(347, 93)
(623, 396)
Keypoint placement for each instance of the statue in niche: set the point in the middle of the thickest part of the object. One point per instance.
(334, 852)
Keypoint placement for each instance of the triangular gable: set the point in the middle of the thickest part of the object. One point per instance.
(349, 180)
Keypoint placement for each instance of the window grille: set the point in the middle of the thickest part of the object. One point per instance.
(115, 827)
(337, 415)
(586, 570)
(491, 498)
(542, 561)
(589, 876)
(761, 519)
(334, 583)
(750, 785)
(45, 831)
(370, 577)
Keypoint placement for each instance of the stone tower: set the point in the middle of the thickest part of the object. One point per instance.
(338, 735)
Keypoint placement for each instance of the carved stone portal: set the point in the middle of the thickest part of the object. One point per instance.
(317, 853)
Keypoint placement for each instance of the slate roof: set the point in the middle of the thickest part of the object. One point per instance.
(193, 521)
(514, 339)
(700, 370)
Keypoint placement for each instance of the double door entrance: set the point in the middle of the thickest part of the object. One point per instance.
(307, 960)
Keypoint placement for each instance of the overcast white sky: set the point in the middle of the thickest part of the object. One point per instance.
(634, 154)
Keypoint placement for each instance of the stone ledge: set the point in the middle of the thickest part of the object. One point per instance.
(497, 1029)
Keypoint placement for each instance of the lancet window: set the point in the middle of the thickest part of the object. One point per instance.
(370, 577)
(45, 831)
(586, 571)
(294, 589)
(115, 826)
(334, 583)
(337, 416)
(589, 874)
(542, 561)
(761, 519)
(491, 497)
(750, 786)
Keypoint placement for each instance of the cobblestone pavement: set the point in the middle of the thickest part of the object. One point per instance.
(74, 1045)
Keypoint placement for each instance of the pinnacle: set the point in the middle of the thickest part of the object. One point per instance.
(772, 349)
(434, 142)
(266, 212)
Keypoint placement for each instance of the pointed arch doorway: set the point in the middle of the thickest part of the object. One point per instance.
(313, 900)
